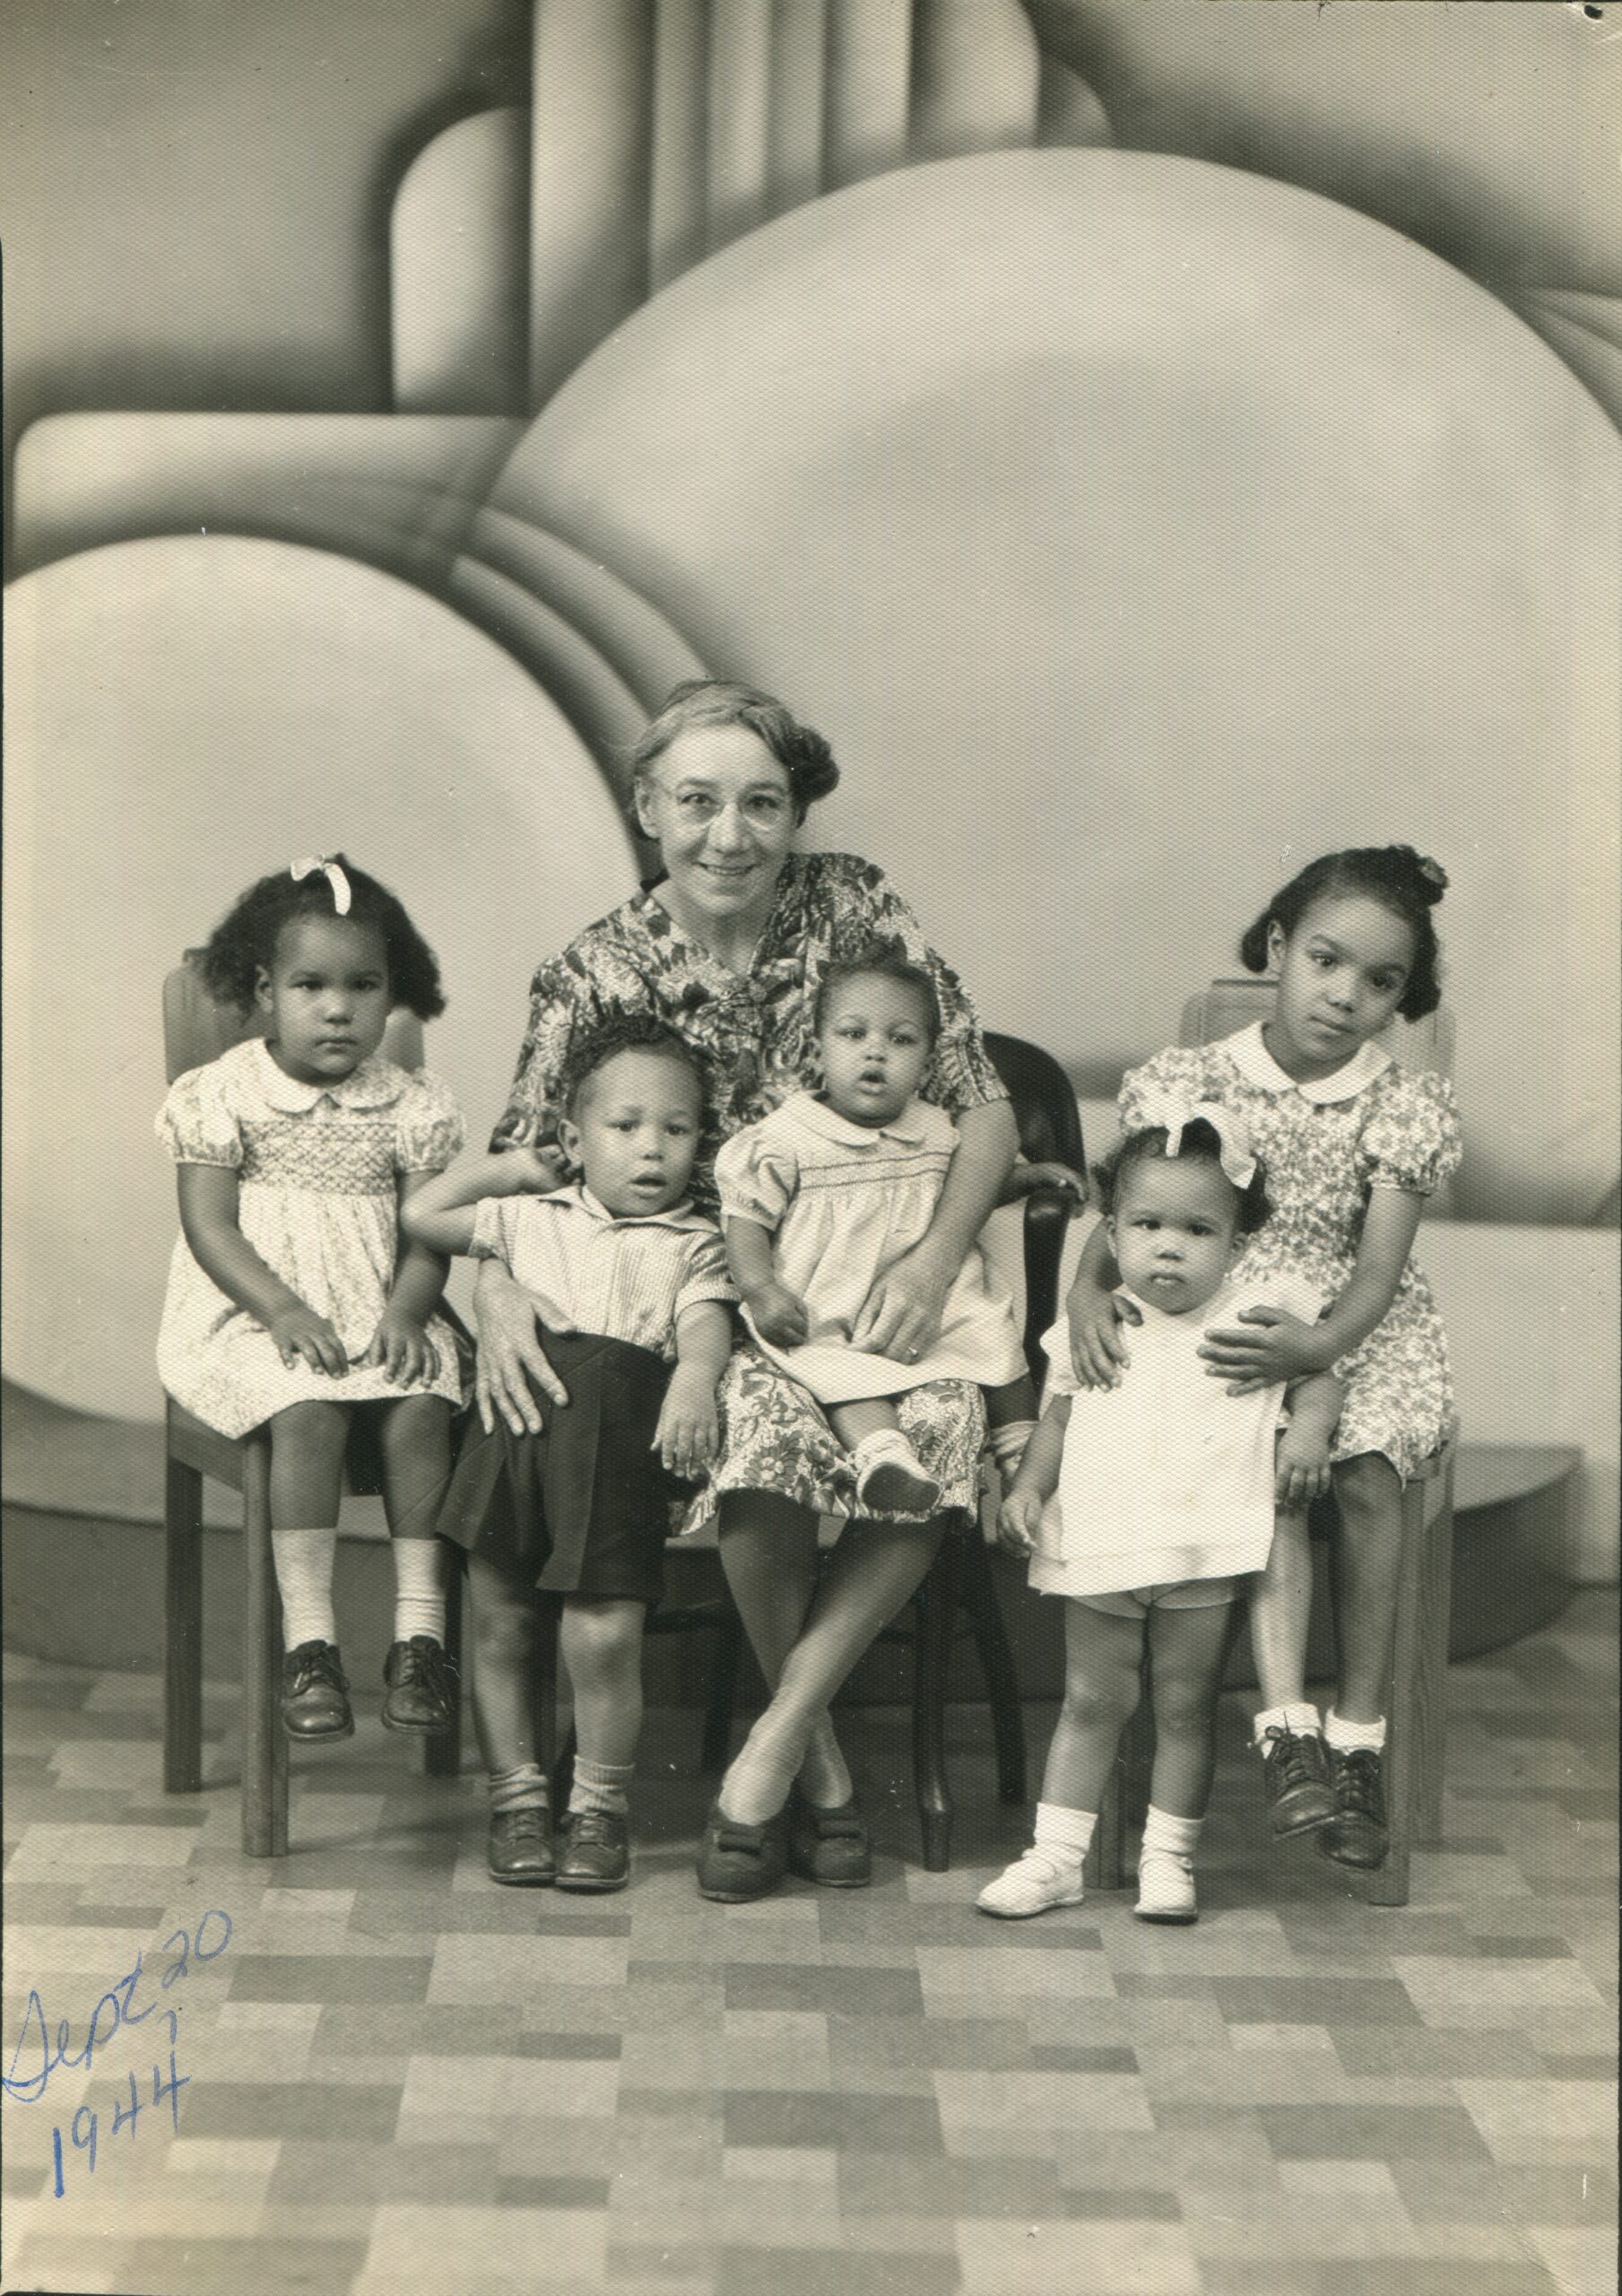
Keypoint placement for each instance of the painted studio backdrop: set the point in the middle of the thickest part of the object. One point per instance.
(1154, 444)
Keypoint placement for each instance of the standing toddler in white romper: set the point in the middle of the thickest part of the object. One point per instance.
(1167, 1488)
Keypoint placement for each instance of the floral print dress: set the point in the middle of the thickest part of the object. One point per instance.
(755, 1035)
(1325, 1144)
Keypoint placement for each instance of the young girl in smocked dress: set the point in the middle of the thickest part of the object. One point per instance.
(1353, 1145)
(822, 1194)
(291, 1300)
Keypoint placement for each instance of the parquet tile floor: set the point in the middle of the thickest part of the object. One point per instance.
(394, 2079)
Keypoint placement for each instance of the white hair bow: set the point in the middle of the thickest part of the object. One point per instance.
(335, 876)
(1175, 1113)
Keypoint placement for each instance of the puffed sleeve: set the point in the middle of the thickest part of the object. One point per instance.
(197, 1124)
(428, 1130)
(706, 1274)
(563, 999)
(961, 1073)
(1188, 1071)
(1412, 1141)
(756, 1176)
(1062, 1380)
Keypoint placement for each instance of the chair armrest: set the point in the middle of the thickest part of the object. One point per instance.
(1049, 1213)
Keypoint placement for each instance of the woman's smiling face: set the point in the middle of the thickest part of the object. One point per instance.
(720, 809)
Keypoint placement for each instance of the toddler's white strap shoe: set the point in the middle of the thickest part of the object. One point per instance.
(1166, 1887)
(890, 1476)
(1034, 1883)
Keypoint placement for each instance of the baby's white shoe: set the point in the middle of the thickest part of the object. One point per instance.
(890, 1476)
(1166, 1887)
(1034, 1883)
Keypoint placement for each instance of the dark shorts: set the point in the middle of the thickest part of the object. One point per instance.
(584, 1507)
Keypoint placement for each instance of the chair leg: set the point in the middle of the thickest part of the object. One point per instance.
(979, 1593)
(263, 1742)
(1436, 1619)
(1389, 1885)
(937, 1602)
(1125, 1801)
(183, 1629)
(723, 1693)
(442, 1756)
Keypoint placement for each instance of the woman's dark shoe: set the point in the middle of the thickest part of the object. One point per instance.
(520, 1847)
(596, 1851)
(423, 1687)
(737, 1862)
(831, 1846)
(1359, 1836)
(1294, 1764)
(315, 1695)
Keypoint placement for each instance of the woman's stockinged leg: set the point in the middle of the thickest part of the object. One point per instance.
(768, 1552)
(601, 1643)
(1188, 1649)
(1103, 1670)
(1365, 1563)
(872, 1570)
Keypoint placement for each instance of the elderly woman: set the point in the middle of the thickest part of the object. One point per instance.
(727, 946)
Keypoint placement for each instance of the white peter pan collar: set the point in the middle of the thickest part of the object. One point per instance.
(376, 1084)
(1250, 1055)
(910, 1129)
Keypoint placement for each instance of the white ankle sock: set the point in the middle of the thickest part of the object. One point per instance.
(524, 1789)
(1180, 1837)
(1300, 1719)
(1067, 1833)
(304, 1563)
(600, 1785)
(419, 1588)
(1346, 1737)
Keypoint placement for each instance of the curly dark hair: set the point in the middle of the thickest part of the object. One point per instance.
(889, 960)
(244, 942)
(622, 1032)
(1405, 882)
(1199, 1145)
(802, 752)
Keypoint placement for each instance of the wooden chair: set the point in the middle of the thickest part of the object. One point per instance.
(196, 1029)
(1415, 1707)
(960, 1577)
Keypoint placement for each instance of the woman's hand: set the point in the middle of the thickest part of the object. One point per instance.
(508, 1351)
(1025, 1180)
(779, 1314)
(1019, 1521)
(1099, 1354)
(901, 1317)
(1301, 1470)
(1271, 1348)
(401, 1348)
(301, 1336)
(687, 1437)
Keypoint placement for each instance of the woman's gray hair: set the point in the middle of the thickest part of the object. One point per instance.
(802, 752)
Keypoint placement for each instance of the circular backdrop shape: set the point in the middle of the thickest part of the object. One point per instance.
(1138, 529)
(184, 714)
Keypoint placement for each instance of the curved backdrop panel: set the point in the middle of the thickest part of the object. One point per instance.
(184, 714)
(1137, 529)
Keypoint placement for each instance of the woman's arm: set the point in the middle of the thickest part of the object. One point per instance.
(209, 1195)
(1272, 1345)
(902, 1316)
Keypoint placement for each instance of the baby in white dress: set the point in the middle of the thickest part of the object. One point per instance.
(823, 1195)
